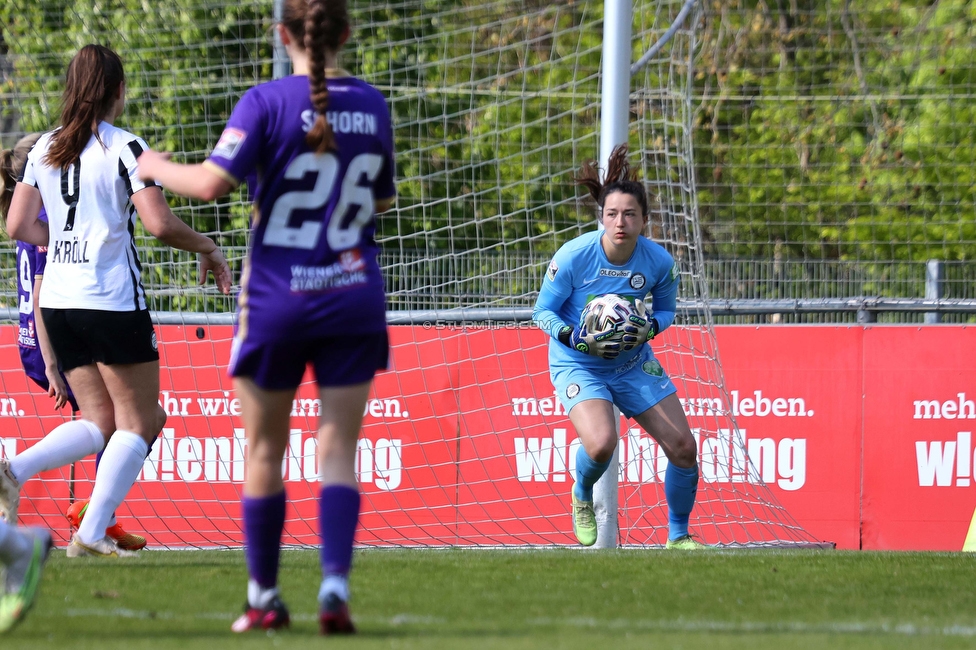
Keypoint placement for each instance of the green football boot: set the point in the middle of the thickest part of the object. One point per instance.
(584, 520)
(23, 579)
(686, 543)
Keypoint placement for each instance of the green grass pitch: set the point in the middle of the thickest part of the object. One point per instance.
(564, 598)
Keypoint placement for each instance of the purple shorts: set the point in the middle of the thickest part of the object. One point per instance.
(336, 360)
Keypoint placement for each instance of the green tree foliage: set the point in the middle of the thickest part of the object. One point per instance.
(839, 130)
(835, 130)
(186, 62)
(487, 118)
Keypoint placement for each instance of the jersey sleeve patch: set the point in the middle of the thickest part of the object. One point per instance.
(553, 269)
(674, 272)
(230, 143)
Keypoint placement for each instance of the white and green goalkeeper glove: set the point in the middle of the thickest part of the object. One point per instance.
(583, 339)
(640, 329)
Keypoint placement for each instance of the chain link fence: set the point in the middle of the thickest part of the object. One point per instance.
(834, 146)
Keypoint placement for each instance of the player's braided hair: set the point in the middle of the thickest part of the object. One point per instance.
(619, 178)
(319, 25)
(91, 88)
(12, 163)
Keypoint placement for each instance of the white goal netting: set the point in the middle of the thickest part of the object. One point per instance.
(495, 105)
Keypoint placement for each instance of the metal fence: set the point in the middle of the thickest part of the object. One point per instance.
(739, 290)
(833, 147)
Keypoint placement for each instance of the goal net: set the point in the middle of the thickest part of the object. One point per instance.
(495, 105)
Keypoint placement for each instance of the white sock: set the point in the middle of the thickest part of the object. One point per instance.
(68, 443)
(259, 597)
(334, 584)
(121, 463)
(12, 544)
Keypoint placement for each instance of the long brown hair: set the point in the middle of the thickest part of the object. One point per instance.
(620, 177)
(319, 26)
(12, 162)
(94, 77)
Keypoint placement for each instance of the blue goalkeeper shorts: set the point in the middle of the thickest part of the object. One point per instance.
(633, 387)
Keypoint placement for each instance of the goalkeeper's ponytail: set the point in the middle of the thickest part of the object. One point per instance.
(620, 177)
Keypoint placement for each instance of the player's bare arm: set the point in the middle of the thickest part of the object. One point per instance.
(162, 224)
(22, 221)
(196, 181)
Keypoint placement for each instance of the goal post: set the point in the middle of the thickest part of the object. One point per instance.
(614, 131)
(495, 105)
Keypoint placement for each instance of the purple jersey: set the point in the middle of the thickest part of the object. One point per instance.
(311, 269)
(31, 261)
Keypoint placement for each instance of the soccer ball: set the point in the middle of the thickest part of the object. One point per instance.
(612, 312)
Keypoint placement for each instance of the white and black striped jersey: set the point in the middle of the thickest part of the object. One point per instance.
(92, 261)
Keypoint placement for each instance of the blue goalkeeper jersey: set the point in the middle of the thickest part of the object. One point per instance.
(580, 271)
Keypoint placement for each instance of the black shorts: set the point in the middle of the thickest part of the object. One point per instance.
(81, 337)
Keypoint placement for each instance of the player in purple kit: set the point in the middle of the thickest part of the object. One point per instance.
(322, 145)
(36, 353)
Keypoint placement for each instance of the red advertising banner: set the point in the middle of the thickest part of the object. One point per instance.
(465, 442)
(919, 414)
(516, 441)
(795, 394)
(796, 409)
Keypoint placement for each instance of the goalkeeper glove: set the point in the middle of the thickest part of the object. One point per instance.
(593, 343)
(640, 329)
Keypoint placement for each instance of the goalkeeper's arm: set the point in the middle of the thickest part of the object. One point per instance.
(644, 326)
(581, 338)
(664, 300)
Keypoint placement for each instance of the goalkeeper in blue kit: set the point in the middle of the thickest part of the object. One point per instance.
(593, 370)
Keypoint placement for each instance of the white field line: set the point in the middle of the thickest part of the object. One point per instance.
(903, 629)
(123, 612)
(906, 629)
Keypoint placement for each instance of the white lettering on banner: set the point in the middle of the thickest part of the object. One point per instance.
(8, 447)
(760, 406)
(722, 459)
(957, 409)
(381, 463)
(306, 408)
(223, 460)
(226, 405)
(386, 408)
(545, 459)
(937, 459)
(172, 405)
(530, 406)
(179, 406)
(8, 408)
(756, 405)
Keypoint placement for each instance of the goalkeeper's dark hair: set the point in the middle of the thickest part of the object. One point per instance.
(620, 177)
(319, 25)
(12, 163)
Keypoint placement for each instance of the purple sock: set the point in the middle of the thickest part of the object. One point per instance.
(338, 516)
(264, 520)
